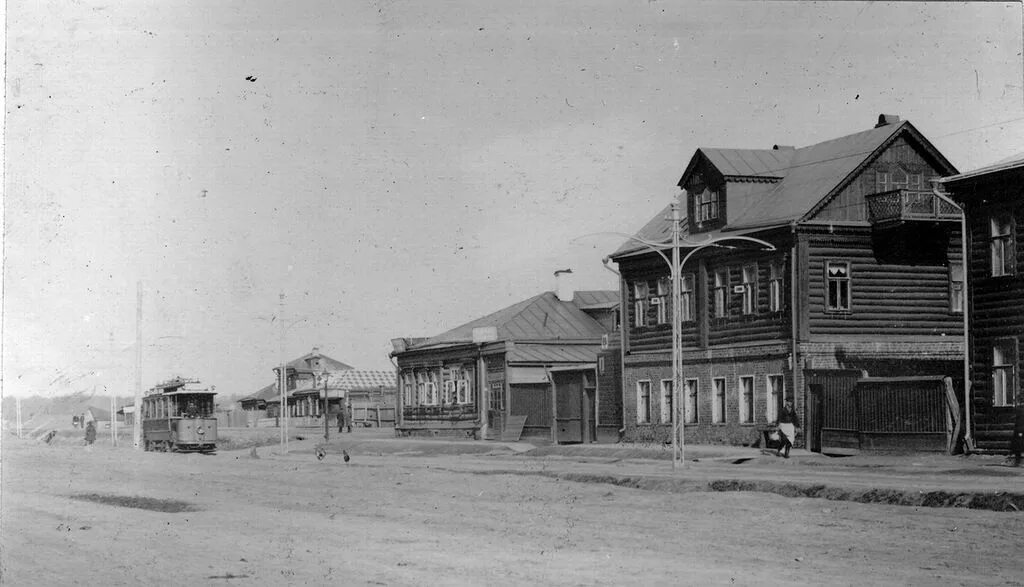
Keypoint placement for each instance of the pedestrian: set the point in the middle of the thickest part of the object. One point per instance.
(90, 432)
(1018, 434)
(788, 424)
(341, 419)
(348, 416)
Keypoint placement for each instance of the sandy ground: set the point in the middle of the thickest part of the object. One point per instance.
(414, 517)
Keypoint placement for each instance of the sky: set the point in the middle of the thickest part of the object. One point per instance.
(396, 169)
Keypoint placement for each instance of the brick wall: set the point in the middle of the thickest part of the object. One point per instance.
(729, 363)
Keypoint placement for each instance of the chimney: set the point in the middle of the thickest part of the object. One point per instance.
(316, 351)
(563, 285)
(886, 119)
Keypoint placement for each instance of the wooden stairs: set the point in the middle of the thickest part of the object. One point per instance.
(513, 429)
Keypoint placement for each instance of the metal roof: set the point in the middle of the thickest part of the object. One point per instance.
(804, 179)
(357, 379)
(1007, 164)
(750, 162)
(302, 363)
(542, 317)
(596, 299)
(553, 353)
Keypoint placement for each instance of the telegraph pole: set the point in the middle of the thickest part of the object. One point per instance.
(282, 384)
(137, 421)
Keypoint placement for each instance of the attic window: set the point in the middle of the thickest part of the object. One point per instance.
(707, 205)
(898, 180)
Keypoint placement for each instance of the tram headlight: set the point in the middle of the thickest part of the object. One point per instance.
(200, 431)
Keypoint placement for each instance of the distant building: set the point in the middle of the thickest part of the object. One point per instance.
(301, 375)
(530, 370)
(993, 201)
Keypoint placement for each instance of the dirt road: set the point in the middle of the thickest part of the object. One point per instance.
(452, 520)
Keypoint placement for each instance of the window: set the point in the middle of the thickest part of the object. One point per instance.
(448, 397)
(707, 205)
(1001, 231)
(640, 293)
(686, 309)
(721, 293)
(898, 180)
(661, 301)
(408, 389)
(775, 286)
(956, 288)
(431, 386)
(462, 390)
(643, 402)
(600, 365)
(747, 400)
(718, 401)
(837, 281)
(666, 401)
(616, 319)
(641, 290)
(421, 387)
(882, 181)
(1004, 357)
(750, 289)
(691, 401)
(776, 391)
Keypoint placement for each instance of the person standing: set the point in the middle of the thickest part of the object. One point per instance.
(788, 424)
(90, 432)
(341, 419)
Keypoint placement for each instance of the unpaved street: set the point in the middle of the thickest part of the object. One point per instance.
(389, 519)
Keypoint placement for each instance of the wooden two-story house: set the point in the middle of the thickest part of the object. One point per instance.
(993, 202)
(852, 277)
(529, 370)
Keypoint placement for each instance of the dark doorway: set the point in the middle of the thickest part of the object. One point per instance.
(814, 415)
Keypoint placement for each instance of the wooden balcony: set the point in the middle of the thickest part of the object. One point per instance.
(899, 206)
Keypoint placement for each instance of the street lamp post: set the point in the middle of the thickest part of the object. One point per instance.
(675, 271)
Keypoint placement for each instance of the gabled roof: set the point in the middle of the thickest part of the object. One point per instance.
(542, 317)
(773, 187)
(302, 364)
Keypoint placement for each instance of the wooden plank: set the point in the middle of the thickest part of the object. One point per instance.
(513, 428)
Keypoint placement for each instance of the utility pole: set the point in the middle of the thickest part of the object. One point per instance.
(678, 448)
(282, 384)
(113, 420)
(17, 409)
(137, 409)
(327, 411)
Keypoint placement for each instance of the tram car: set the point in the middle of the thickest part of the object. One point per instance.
(177, 416)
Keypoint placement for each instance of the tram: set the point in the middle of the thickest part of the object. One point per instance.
(177, 416)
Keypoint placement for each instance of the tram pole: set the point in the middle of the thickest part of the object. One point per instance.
(137, 420)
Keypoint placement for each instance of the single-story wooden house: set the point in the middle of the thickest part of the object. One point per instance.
(529, 370)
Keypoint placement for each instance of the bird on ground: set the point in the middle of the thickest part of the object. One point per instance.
(344, 455)
(320, 453)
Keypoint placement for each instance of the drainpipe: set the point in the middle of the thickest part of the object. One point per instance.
(623, 296)
(793, 299)
(968, 434)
